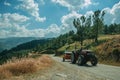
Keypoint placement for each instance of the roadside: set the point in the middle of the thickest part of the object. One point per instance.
(67, 71)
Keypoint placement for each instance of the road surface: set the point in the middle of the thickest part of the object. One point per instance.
(87, 72)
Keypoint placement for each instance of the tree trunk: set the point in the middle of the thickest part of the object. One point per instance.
(75, 46)
(96, 37)
(96, 40)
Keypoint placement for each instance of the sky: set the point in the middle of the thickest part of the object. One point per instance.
(50, 18)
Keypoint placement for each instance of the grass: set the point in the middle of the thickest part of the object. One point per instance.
(110, 63)
(89, 42)
(23, 66)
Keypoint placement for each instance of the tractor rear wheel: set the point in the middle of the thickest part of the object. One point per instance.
(94, 60)
(80, 60)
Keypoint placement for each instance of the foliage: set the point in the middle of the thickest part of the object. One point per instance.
(112, 29)
(97, 24)
(21, 50)
(82, 25)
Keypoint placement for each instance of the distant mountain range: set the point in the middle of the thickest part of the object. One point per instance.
(8, 43)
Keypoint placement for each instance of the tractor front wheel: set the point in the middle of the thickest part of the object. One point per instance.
(73, 60)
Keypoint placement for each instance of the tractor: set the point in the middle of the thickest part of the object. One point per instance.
(81, 57)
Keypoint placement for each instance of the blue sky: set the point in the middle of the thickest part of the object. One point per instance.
(50, 18)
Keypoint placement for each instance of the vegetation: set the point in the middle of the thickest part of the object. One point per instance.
(81, 29)
(110, 50)
(21, 50)
(18, 67)
(97, 24)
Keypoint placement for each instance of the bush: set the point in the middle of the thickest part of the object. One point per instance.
(23, 66)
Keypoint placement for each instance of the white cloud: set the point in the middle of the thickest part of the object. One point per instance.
(67, 21)
(7, 4)
(9, 19)
(13, 25)
(32, 8)
(52, 31)
(75, 5)
(112, 15)
(87, 2)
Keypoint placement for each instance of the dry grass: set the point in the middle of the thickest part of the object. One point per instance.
(105, 51)
(23, 66)
(110, 63)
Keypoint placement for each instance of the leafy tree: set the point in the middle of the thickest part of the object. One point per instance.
(97, 24)
(82, 25)
(79, 24)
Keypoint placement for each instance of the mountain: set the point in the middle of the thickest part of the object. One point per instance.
(22, 50)
(8, 43)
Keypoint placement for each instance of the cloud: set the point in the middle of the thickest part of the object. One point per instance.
(15, 25)
(75, 5)
(7, 4)
(8, 19)
(11, 24)
(112, 15)
(32, 8)
(52, 31)
(67, 21)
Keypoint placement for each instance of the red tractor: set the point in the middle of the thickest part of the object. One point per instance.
(81, 57)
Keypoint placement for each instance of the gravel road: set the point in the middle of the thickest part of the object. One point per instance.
(70, 71)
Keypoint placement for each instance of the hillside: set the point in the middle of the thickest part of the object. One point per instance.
(8, 43)
(110, 50)
(107, 50)
(21, 50)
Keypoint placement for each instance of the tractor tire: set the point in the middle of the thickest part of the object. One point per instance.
(63, 59)
(94, 60)
(80, 60)
(73, 60)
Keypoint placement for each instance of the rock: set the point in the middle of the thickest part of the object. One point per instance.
(59, 76)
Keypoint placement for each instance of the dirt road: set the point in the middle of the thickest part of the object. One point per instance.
(99, 72)
(67, 71)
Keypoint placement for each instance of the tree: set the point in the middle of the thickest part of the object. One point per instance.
(106, 31)
(97, 24)
(88, 32)
(79, 24)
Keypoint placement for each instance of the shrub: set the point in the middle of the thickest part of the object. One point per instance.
(23, 66)
(116, 54)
